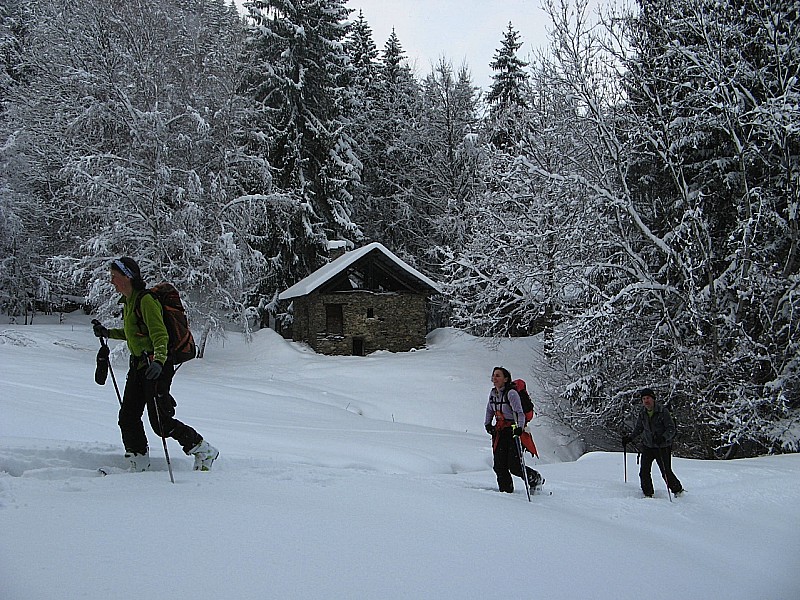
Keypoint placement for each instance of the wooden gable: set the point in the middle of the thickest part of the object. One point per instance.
(374, 273)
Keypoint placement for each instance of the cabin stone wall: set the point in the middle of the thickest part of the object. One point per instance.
(370, 321)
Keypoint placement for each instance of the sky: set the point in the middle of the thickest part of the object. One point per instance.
(468, 31)
(460, 30)
(355, 478)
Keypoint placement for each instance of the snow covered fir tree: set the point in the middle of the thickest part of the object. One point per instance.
(630, 191)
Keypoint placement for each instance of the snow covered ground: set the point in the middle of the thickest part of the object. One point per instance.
(354, 478)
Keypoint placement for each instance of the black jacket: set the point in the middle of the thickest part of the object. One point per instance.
(657, 431)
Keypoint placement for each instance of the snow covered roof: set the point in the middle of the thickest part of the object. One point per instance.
(333, 268)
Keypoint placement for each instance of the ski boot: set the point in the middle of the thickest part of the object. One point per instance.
(138, 462)
(535, 480)
(204, 455)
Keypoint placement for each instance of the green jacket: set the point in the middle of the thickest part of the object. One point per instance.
(150, 336)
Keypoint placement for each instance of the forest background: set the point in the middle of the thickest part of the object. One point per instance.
(629, 192)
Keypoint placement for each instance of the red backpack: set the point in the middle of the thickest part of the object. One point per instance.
(527, 407)
(525, 397)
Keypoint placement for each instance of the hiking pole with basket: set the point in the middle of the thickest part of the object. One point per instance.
(625, 460)
(146, 358)
(104, 365)
(662, 466)
(524, 468)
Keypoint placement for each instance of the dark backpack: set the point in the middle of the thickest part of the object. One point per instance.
(181, 345)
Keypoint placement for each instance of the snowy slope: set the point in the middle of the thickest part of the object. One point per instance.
(350, 477)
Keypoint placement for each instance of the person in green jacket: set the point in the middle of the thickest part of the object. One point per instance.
(658, 430)
(150, 373)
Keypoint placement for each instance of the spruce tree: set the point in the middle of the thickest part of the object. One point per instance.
(450, 157)
(297, 70)
(508, 84)
(362, 51)
(507, 95)
(389, 150)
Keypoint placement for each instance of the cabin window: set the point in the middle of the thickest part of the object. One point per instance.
(370, 313)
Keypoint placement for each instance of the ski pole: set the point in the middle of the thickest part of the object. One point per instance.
(662, 466)
(113, 378)
(158, 418)
(625, 460)
(104, 344)
(524, 468)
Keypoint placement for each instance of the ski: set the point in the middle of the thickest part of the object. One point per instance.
(538, 491)
(103, 471)
(671, 497)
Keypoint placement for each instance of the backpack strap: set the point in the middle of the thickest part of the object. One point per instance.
(496, 404)
(501, 421)
(137, 310)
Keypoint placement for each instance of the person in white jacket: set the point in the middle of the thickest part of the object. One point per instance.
(504, 421)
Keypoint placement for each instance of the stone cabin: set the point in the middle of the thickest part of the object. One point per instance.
(365, 300)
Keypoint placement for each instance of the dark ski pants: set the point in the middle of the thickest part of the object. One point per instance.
(507, 462)
(662, 457)
(141, 392)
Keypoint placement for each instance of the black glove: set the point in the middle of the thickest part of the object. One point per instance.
(490, 429)
(626, 439)
(516, 430)
(153, 370)
(166, 405)
(101, 372)
(99, 330)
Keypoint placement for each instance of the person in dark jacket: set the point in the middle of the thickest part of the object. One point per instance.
(504, 421)
(150, 374)
(657, 429)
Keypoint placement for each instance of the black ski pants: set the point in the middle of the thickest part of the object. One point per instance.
(141, 392)
(507, 461)
(663, 457)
